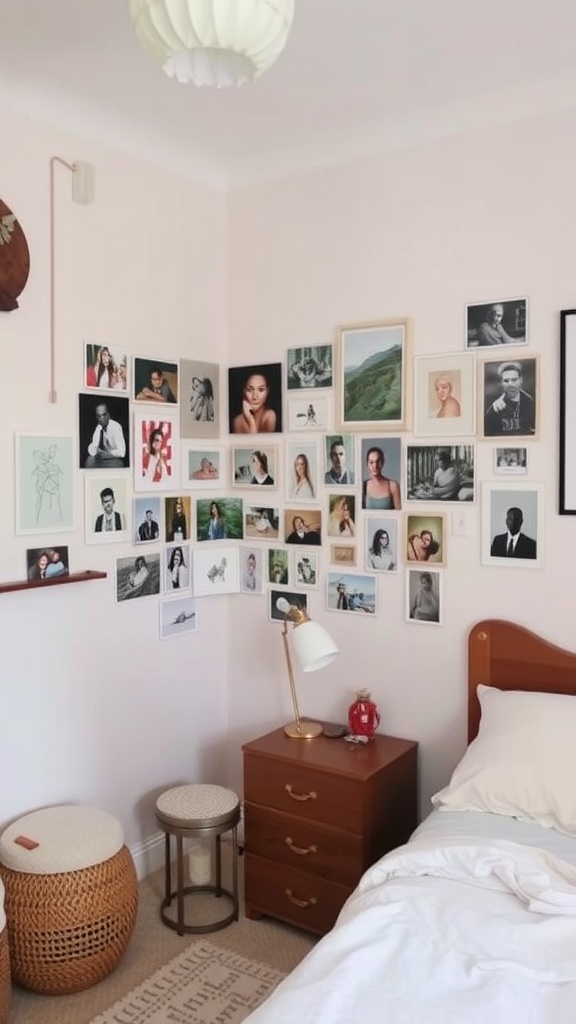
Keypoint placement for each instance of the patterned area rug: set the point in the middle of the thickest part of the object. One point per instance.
(203, 985)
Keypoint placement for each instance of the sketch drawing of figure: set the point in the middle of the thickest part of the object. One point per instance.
(218, 572)
(47, 474)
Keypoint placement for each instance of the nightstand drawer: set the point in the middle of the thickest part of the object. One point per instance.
(306, 846)
(299, 791)
(290, 895)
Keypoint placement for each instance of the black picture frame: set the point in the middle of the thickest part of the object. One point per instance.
(567, 446)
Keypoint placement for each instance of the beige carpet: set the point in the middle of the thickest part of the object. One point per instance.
(202, 985)
(152, 946)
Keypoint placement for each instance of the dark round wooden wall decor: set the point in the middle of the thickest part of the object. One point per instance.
(14, 259)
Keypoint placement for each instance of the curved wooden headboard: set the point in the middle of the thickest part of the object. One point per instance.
(512, 658)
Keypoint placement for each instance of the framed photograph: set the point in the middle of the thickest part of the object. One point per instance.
(105, 368)
(216, 571)
(177, 566)
(306, 567)
(424, 596)
(177, 617)
(147, 520)
(104, 432)
(373, 369)
(511, 460)
(302, 526)
(341, 516)
(219, 519)
(513, 525)
(445, 395)
(509, 397)
(44, 484)
(202, 468)
(47, 562)
(177, 519)
(293, 597)
(425, 539)
(255, 467)
(106, 507)
(279, 567)
(199, 399)
(309, 367)
(137, 576)
(251, 572)
(255, 399)
(380, 463)
(350, 592)
(261, 522)
(156, 465)
(339, 460)
(155, 381)
(309, 413)
(440, 472)
(302, 471)
(381, 543)
(500, 322)
(567, 474)
(343, 554)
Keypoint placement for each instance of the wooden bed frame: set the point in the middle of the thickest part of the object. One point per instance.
(510, 657)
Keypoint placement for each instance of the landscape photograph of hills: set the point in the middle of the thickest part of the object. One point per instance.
(373, 376)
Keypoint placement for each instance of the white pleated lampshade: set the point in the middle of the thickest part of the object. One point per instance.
(213, 42)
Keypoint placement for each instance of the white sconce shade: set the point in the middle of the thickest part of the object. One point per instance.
(213, 42)
(314, 649)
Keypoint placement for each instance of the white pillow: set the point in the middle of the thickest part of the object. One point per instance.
(522, 762)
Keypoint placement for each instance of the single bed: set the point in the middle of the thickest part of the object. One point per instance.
(473, 920)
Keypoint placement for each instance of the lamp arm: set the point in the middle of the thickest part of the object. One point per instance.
(290, 673)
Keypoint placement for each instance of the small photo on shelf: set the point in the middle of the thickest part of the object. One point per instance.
(47, 563)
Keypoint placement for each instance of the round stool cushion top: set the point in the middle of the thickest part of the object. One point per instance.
(196, 806)
(58, 839)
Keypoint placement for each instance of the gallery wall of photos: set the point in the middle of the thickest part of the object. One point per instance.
(346, 461)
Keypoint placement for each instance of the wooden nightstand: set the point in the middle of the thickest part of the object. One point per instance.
(317, 813)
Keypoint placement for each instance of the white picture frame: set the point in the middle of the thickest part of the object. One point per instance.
(424, 610)
(45, 476)
(147, 529)
(308, 413)
(202, 468)
(306, 568)
(352, 592)
(255, 466)
(497, 500)
(106, 498)
(251, 570)
(177, 616)
(445, 395)
(176, 576)
(301, 458)
(216, 570)
(381, 555)
(159, 471)
(137, 576)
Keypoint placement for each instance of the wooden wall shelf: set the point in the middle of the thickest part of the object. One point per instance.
(57, 581)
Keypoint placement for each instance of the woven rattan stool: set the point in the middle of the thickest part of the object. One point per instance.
(5, 987)
(198, 812)
(71, 897)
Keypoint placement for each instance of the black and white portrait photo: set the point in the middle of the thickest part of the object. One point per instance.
(500, 322)
(199, 399)
(104, 432)
(440, 472)
(309, 367)
(509, 398)
(512, 525)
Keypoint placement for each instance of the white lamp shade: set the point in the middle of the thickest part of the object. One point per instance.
(213, 42)
(313, 646)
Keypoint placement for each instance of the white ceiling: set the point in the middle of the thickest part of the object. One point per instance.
(356, 77)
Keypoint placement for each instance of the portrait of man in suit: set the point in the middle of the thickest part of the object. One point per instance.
(149, 529)
(513, 543)
(109, 521)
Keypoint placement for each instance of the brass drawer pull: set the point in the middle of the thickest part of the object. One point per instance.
(300, 796)
(300, 903)
(301, 850)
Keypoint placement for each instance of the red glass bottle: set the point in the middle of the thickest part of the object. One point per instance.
(363, 715)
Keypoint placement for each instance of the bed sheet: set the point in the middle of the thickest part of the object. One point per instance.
(441, 823)
(455, 927)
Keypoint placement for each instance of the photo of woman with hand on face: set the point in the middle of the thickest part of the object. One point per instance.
(255, 399)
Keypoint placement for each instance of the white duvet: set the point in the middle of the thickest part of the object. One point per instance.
(469, 931)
